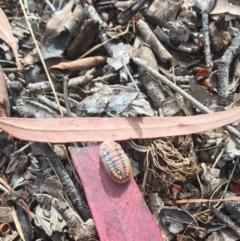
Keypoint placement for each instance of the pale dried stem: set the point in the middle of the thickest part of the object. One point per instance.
(41, 58)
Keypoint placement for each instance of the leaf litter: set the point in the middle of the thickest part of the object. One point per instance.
(161, 78)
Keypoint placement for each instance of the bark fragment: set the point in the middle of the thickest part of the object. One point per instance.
(155, 92)
(162, 11)
(83, 38)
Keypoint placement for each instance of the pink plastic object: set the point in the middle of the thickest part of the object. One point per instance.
(119, 210)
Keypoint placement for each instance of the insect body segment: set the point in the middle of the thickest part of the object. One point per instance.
(115, 161)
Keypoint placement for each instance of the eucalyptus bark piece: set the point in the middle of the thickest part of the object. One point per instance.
(161, 12)
(83, 38)
(222, 66)
(152, 40)
(154, 90)
(68, 186)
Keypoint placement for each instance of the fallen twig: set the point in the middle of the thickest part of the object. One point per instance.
(225, 219)
(205, 7)
(152, 40)
(200, 200)
(223, 65)
(65, 96)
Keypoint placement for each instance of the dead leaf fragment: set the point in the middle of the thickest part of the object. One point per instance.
(57, 23)
(174, 219)
(115, 100)
(5, 108)
(7, 36)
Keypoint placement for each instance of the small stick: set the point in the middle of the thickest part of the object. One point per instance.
(161, 78)
(205, 7)
(65, 96)
(225, 219)
(206, 40)
(201, 200)
(124, 4)
(154, 90)
(179, 79)
(123, 76)
(10, 70)
(103, 77)
(50, 5)
(129, 74)
(22, 149)
(80, 80)
(170, 84)
(152, 40)
(52, 104)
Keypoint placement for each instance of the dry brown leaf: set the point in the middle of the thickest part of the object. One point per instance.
(57, 22)
(7, 36)
(65, 130)
(81, 64)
